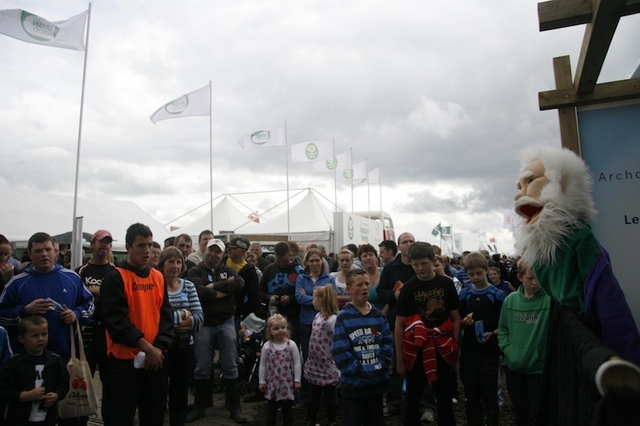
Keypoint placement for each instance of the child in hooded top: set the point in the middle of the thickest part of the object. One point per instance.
(362, 350)
(320, 370)
(280, 370)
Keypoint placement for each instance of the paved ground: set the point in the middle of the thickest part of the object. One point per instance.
(217, 415)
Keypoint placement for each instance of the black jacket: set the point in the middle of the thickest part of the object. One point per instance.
(19, 375)
(216, 310)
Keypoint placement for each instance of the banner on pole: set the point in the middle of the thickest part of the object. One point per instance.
(312, 151)
(263, 138)
(192, 104)
(25, 26)
(338, 162)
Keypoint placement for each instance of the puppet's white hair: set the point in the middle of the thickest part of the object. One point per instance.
(567, 201)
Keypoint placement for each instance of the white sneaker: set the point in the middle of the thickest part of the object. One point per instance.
(454, 401)
(427, 416)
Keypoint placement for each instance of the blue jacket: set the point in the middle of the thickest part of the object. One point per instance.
(362, 350)
(63, 286)
(304, 282)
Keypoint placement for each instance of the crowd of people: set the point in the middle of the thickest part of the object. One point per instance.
(373, 330)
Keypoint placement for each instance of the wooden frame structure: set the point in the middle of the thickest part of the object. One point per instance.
(601, 17)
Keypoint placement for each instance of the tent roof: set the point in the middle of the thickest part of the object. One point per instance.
(25, 212)
(226, 217)
(308, 215)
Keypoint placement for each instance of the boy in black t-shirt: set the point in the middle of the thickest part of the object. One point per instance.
(426, 334)
(479, 353)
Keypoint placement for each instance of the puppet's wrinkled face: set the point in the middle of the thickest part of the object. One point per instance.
(531, 182)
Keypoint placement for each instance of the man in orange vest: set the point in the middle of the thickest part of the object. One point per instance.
(138, 319)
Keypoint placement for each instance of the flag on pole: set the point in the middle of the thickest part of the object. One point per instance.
(263, 138)
(25, 26)
(194, 103)
(446, 231)
(436, 230)
(359, 172)
(311, 151)
(254, 217)
(457, 242)
(374, 176)
(339, 162)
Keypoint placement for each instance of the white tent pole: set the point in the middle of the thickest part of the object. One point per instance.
(76, 255)
(211, 155)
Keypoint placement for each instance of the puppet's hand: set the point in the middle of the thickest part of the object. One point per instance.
(617, 373)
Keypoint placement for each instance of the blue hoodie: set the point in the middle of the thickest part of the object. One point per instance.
(362, 350)
(61, 285)
(304, 282)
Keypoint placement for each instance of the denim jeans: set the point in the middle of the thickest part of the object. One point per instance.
(223, 337)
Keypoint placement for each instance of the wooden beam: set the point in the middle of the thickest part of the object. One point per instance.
(596, 42)
(605, 92)
(567, 114)
(556, 14)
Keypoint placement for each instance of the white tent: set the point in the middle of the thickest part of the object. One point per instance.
(226, 217)
(307, 216)
(23, 213)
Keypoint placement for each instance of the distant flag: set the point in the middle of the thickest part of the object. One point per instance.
(254, 217)
(191, 104)
(446, 230)
(457, 241)
(436, 230)
(360, 171)
(312, 151)
(275, 136)
(374, 176)
(492, 240)
(339, 162)
(507, 219)
(482, 234)
(25, 26)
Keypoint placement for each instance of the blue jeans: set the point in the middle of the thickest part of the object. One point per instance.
(223, 337)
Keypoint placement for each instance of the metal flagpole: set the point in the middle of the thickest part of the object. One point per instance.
(76, 246)
(351, 168)
(286, 145)
(211, 155)
(366, 174)
(335, 184)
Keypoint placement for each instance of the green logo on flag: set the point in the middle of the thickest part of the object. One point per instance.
(261, 137)
(332, 164)
(311, 151)
(348, 173)
(177, 106)
(350, 227)
(38, 28)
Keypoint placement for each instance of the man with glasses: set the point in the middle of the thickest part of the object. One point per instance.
(394, 275)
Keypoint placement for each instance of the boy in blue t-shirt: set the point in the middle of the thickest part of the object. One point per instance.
(479, 353)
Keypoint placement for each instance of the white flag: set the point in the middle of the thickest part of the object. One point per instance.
(25, 26)
(311, 151)
(339, 162)
(263, 138)
(194, 103)
(374, 176)
(357, 173)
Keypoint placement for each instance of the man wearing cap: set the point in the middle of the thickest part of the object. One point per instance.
(92, 274)
(248, 300)
(218, 286)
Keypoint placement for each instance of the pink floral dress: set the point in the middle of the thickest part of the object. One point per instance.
(278, 365)
(320, 369)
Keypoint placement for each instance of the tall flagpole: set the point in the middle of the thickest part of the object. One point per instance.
(366, 174)
(211, 155)
(335, 184)
(351, 168)
(286, 145)
(380, 187)
(76, 248)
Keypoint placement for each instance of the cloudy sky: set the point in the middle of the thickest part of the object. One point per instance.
(442, 98)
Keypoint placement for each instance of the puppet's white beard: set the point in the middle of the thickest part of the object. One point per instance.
(540, 241)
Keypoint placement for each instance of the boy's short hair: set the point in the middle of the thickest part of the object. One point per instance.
(137, 229)
(281, 249)
(420, 250)
(30, 321)
(352, 274)
(523, 267)
(39, 238)
(475, 260)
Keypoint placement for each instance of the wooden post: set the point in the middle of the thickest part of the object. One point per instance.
(567, 114)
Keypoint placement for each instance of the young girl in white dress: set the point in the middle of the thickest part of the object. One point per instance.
(280, 370)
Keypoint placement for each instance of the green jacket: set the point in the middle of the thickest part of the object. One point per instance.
(522, 331)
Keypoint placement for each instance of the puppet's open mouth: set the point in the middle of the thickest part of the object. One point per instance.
(530, 211)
